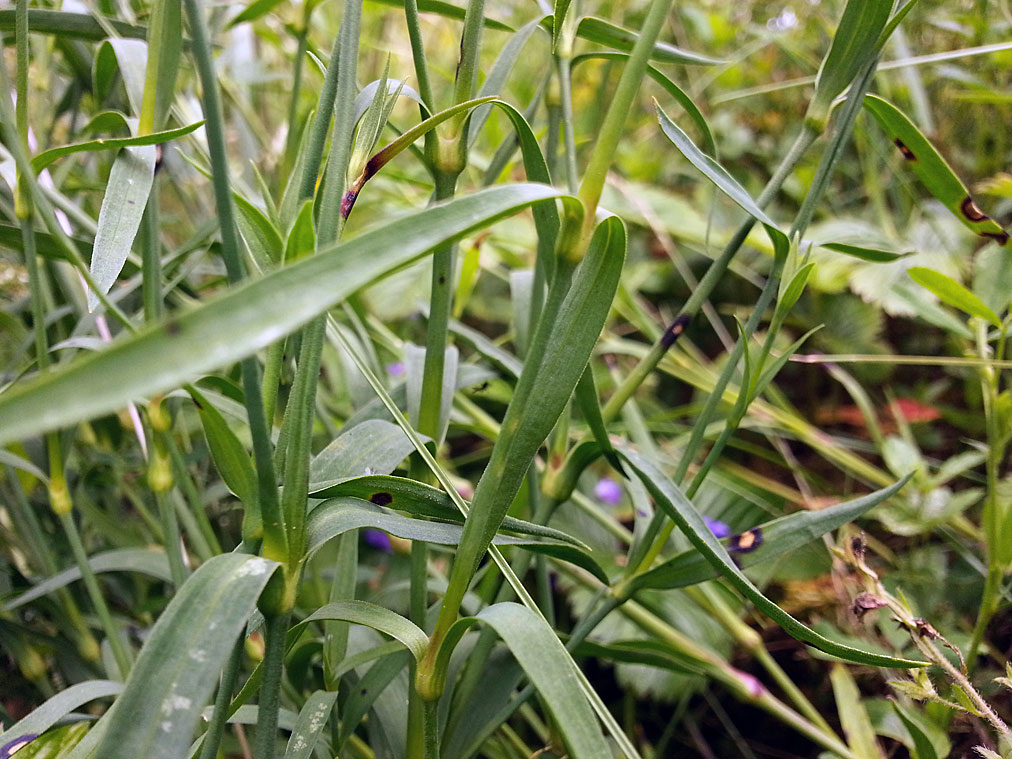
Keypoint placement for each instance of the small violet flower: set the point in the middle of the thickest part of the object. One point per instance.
(396, 369)
(378, 540)
(718, 528)
(9, 749)
(608, 491)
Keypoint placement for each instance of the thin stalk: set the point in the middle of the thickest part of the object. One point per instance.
(618, 110)
(270, 689)
(267, 491)
(119, 652)
(173, 539)
(562, 64)
(646, 365)
(465, 84)
(151, 261)
(291, 141)
(418, 52)
(219, 715)
(192, 500)
(431, 729)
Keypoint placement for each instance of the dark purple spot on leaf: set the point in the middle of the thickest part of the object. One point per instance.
(970, 210)
(348, 202)
(381, 499)
(172, 327)
(907, 152)
(746, 541)
(1000, 237)
(675, 330)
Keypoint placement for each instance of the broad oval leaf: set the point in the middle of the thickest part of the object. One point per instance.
(246, 318)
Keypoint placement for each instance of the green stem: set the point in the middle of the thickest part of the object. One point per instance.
(568, 122)
(645, 367)
(151, 263)
(119, 652)
(214, 125)
(173, 545)
(431, 729)
(291, 139)
(418, 52)
(270, 689)
(466, 82)
(219, 716)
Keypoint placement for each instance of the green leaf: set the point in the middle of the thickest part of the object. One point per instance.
(312, 719)
(59, 706)
(950, 291)
(684, 514)
(246, 318)
(447, 10)
(719, 176)
(45, 158)
(148, 561)
(558, 21)
(372, 447)
(779, 537)
(424, 500)
(177, 669)
(414, 364)
(855, 42)
(79, 26)
(261, 236)
(256, 9)
(376, 617)
(341, 515)
(929, 166)
(549, 667)
(865, 254)
(616, 37)
(922, 747)
(165, 43)
(367, 690)
(549, 385)
(853, 716)
(302, 236)
(126, 195)
(130, 58)
(231, 460)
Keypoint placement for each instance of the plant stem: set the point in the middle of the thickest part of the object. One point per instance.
(119, 652)
(219, 716)
(270, 690)
(418, 53)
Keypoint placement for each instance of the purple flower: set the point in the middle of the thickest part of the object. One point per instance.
(378, 540)
(608, 491)
(396, 369)
(718, 528)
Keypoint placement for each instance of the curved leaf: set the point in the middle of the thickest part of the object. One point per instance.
(341, 515)
(376, 617)
(59, 706)
(950, 291)
(44, 159)
(373, 447)
(779, 536)
(177, 669)
(148, 561)
(424, 500)
(616, 37)
(684, 514)
(246, 318)
(81, 26)
(929, 166)
(312, 719)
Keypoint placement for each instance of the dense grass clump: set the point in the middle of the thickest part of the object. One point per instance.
(417, 380)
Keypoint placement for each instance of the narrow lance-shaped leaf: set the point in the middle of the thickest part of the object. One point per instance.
(74, 26)
(855, 41)
(723, 181)
(44, 159)
(178, 667)
(549, 667)
(524, 429)
(874, 255)
(312, 719)
(950, 291)
(929, 166)
(342, 515)
(126, 195)
(779, 536)
(424, 500)
(616, 37)
(58, 707)
(684, 514)
(165, 43)
(246, 318)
